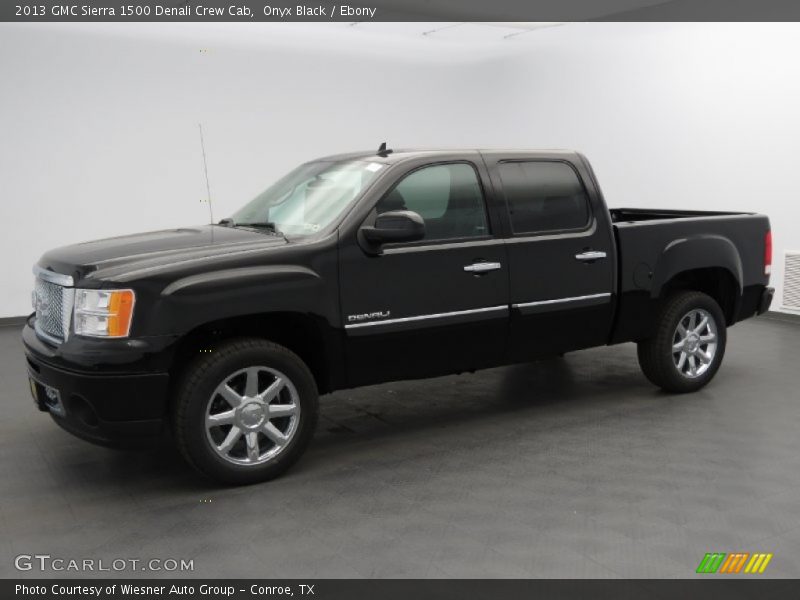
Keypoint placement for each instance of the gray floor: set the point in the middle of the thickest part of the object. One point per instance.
(564, 468)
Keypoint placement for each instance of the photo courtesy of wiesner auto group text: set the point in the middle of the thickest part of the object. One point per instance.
(419, 299)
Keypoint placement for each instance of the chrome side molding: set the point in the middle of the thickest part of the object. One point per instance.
(562, 300)
(456, 313)
(591, 298)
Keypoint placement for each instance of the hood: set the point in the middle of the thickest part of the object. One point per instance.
(119, 258)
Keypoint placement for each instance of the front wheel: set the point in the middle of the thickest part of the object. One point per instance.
(246, 411)
(687, 348)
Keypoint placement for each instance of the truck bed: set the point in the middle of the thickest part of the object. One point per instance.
(654, 245)
(635, 215)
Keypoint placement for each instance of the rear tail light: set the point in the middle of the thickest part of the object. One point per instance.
(768, 253)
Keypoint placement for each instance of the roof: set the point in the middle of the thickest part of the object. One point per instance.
(406, 154)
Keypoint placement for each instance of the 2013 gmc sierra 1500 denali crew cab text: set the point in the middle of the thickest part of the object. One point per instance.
(364, 268)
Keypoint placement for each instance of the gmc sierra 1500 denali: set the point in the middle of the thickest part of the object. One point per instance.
(370, 267)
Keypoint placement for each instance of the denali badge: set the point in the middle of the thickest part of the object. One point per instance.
(382, 314)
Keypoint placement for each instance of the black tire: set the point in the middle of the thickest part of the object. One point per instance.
(200, 382)
(656, 356)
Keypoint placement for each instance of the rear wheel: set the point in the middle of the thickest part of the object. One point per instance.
(245, 412)
(688, 346)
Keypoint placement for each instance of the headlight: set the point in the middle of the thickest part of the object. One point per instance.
(103, 313)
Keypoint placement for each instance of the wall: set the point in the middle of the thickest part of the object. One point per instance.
(99, 123)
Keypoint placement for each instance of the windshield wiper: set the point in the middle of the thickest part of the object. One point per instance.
(268, 225)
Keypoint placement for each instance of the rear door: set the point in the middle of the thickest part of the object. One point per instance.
(560, 255)
(434, 306)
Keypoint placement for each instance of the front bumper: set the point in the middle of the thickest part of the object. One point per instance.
(105, 407)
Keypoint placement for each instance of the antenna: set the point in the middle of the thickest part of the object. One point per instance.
(205, 168)
(383, 151)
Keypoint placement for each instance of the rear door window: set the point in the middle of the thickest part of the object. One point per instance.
(544, 196)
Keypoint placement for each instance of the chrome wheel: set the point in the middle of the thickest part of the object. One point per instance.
(694, 343)
(252, 415)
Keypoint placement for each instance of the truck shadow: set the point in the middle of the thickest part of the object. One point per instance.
(477, 404)
(379, 418)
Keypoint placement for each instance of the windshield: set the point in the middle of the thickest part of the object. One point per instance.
(309, 198)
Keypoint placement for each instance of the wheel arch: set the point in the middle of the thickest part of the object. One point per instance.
(717, 282)
(709, 264)
(310, 337)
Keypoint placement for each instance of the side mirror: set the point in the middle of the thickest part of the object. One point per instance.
(395, 226)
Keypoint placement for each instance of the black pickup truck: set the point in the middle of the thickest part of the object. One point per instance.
(369, 267)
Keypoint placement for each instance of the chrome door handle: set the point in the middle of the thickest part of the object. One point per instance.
(591, 255)
(482, 267)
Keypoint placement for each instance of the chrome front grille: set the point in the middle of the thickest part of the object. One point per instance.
(53, 302)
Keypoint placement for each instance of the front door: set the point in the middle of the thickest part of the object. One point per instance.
(435, 306)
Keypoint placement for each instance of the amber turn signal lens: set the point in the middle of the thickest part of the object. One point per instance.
(120, 312)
